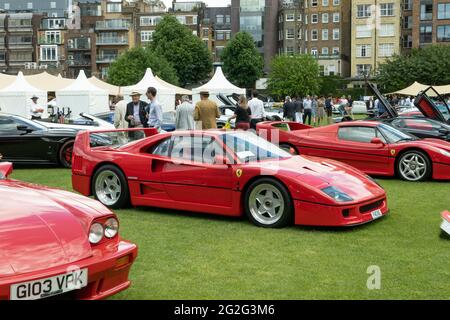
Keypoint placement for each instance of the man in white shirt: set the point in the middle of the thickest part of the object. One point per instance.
(257, 110)
(184, 118)
(35, 109)
(154, 110)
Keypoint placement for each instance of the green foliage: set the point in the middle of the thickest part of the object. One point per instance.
(242, 63)
(429, 65)
(333, 85)
(186, 52)
(130, 67)
(296, 75)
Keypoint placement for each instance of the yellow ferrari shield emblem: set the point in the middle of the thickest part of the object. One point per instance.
(238, 173)
(392, 152)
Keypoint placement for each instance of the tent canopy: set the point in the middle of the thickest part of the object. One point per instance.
(48, 82)
(16, 97)
(6, 80)
(112, 89)
(178, 90)
(218, 84)
(416, 87)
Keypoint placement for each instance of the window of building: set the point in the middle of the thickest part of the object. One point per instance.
(219, 51)
(387, 30)
(363, 31)
(146, 35)
(290, 50)
(314, 35)
(407, 42)
(324, 34)
(443, 33)
(290, 34)
(6, 6)
(205, 32)
(336, 2)
(407, 4)
(113, 7)
(227, 35)
(336, 34)
(336, 17)
(386, 9)
(227, 18)
(53, 37)
(407, 22)
(30, 5)
(363, 51)
(325, 3)
(299, 17)
(325, 51)
(363, 10)
(443, 11)
(313, 3)
(219, 19)
(385, 50)
(363, 69)
(324, 17)
(52, 4)
(220, 35)
(314, 18)
(314, 51)
(336, 50)
(49, 53)
(150, 21)
(290, 16)
(426, 33)
(306, 19)
(426, 10)
(56, 23)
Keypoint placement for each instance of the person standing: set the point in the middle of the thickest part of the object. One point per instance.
(329, 108)
(35, 109)
(206, 111)
(320, 109)
(257, 109)
(154, 109)
(289, 109)
(298, 110)
(120, 110)
(307, 110)
(136, 116)
(184, 118)
(242, 114)
(314, 110)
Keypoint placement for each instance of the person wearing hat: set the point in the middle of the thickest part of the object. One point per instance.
(36, 110)
(206, 111)
(136, 116)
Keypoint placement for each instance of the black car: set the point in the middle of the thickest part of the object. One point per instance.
(432, 123)
(24, 141)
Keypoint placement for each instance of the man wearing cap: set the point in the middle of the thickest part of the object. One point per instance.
(206, 111)
(136, 115)
(36, 110)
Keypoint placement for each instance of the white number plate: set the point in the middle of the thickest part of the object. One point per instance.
(376, 214)
(445, 226)
(48, 287)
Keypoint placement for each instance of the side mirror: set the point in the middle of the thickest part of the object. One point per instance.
(221, 159)
(444, 131)
(6, 168)
(24, 128)
(376, 141)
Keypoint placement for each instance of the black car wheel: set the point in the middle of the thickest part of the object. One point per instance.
(110, 187)
(268, 203)
(414, 165)
(65, 154)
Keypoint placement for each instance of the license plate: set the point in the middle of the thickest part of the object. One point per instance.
(376, 214)
(43, 288)
(445, 226)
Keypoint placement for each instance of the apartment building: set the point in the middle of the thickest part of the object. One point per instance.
(52, 8)
(51, 52)
(216, 29)
(425, 22)
(375, 34)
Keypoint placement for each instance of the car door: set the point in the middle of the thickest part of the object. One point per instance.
(354, 147)
(191, 176)
(21, 145)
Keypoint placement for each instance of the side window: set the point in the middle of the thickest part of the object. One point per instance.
(8, 125)
(162, 149)
(357, 134)
(195, 148)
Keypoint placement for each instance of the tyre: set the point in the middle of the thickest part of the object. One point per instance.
(65, 154)
(288, 148)
(110, 187)
(268, 203)
(414, 165)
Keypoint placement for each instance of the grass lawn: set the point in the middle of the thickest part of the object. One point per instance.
(194, 256)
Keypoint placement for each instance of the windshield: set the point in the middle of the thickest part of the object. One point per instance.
(250, 147)
(394, 135)
(30, 123)
(444, 110)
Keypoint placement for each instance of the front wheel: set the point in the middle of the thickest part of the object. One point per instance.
(268, 203)
(414, 166)
(65, 154)
(110, 187)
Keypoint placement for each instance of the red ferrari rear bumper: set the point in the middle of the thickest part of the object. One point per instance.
(308, 213)
(108, 270)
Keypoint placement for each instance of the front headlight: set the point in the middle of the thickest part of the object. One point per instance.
(445, 153)
(337, 194)
(111, 228)
(95, 233)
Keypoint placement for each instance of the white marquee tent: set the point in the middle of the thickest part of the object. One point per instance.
(16, 97)
(165, 95)
(48, 82)
(83, 96)
(218, 84)
(112, 89)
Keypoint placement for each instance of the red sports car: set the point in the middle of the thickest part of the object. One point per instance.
(445, 225)
(226, 173)
(372, 147)
(57, 243)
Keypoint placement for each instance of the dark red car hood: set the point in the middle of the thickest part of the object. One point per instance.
(39, 229)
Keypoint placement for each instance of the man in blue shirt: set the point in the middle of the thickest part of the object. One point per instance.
(154, 109)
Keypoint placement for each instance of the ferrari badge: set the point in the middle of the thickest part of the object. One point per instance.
(392, 152)
(238, 173)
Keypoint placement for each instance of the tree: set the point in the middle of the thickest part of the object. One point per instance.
(296, 75)
(186, 52)
(428, 65)
(130, 67)
(242, 63)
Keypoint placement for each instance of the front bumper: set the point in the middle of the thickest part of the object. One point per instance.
(314, 214)
(108, 270)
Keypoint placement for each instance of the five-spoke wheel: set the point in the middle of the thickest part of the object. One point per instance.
(110, 187)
